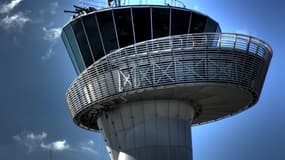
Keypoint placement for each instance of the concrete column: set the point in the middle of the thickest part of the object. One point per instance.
(149, 130)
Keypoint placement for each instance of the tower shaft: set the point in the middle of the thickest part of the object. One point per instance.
(150, 129)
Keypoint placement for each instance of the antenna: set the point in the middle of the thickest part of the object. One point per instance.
(80, 10)
(180, 3)
(115, 3)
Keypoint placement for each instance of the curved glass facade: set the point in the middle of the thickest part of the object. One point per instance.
(92, 36)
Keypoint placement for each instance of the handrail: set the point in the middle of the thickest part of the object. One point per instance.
(225, 40)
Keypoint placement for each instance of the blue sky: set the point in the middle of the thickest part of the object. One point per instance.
(36, 72)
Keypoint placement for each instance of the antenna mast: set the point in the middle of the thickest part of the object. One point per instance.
(116, 3)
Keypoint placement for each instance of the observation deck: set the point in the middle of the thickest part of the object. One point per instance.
(221, 74)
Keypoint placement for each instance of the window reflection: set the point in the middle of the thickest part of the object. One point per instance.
(69, 51)
(160, 22)
(198, 23)
(74, 47)
(179, 21)
(82, 42)
(211, 26)
(124, 26)
(92, 32)
(105, 20)
(219, 29)
(142, 25)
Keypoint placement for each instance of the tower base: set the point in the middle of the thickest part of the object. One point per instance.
(148, 130)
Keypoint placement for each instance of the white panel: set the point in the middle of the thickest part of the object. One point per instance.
(162, 108)
(150, 132)
(173, 108)
(126, 116)
(188, 135)
(139, 135)
(122, 139)
(181, 133)
(173, 132)
(116, 117)
(130, 139)
(183, 110)
(162, 131)
(138, 112)
(149, 109)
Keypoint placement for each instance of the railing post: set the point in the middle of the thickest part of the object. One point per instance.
(119, 81)
(235, 40)
(248, 43)
(220, 40)
(257, 48)
(206, 59)
(206, 37)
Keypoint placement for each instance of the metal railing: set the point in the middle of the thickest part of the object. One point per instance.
(191, 58)
(101, 4)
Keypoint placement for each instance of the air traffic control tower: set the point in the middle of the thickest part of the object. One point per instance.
(147, 73)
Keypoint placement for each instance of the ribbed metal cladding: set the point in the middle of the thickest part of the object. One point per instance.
(148, 130)
(205, 58)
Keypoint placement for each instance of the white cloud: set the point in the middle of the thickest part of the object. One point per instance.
(6, 8)
(51, 34)
(48, 54)
(40, 137)
(89, 147)
(53, 7)
(50, 9)
(17, 138)
(38, 142)
(30, 140)
(16, 21)
(91, 142)
(56, 146)
(34, 142)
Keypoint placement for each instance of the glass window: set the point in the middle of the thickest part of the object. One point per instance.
(123, 21)
(160, 22)
(69, 50)
(198, 23)
(105, 20)
(142, 24)
(74, 47)
(219, 30)
(92, 32)
(211, 25)
(82, 42)
(179, 22)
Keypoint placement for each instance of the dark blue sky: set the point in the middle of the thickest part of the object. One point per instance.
(36, 72)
